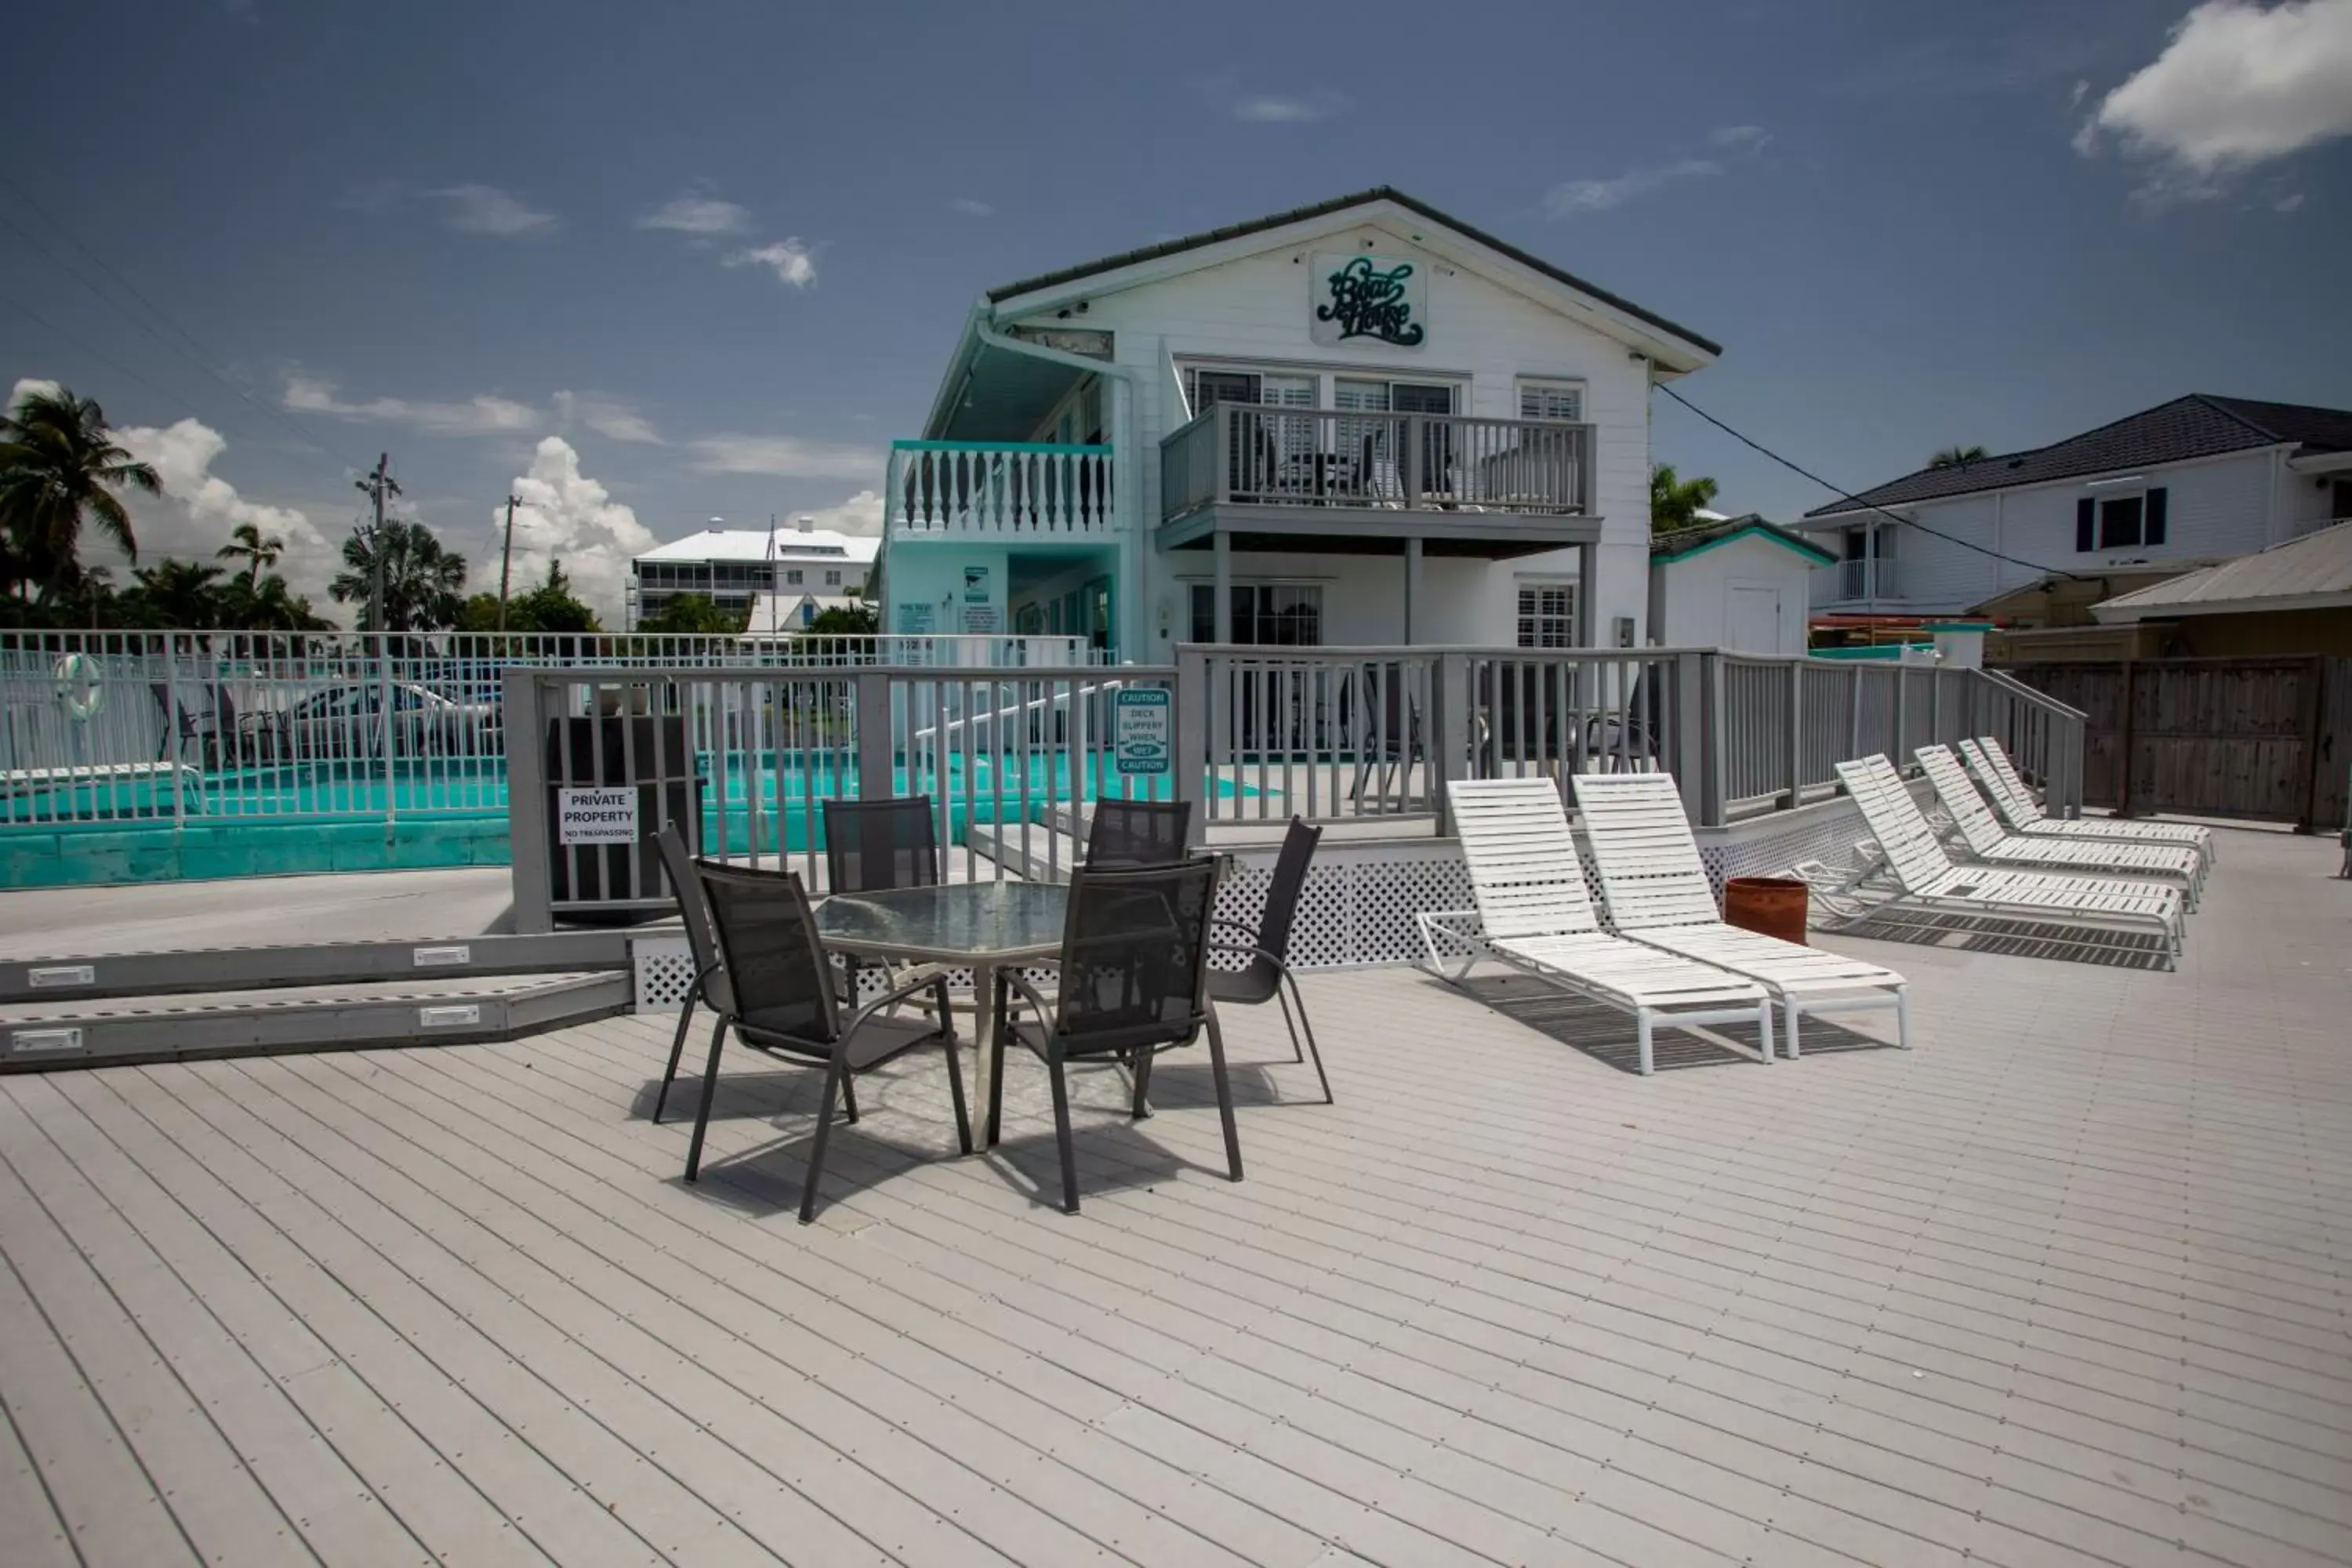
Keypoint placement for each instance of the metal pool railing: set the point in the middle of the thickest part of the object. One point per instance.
(743, 762)
(111, 727)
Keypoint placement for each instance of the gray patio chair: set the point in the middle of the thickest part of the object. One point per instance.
(782, 1001)
(1133, 983)
(1267, 977)
(870, 845)
(709, 984)
(1139, 833)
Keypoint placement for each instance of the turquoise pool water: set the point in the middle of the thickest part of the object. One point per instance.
(332, 816)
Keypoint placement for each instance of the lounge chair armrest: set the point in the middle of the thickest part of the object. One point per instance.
(1249, 931)
(1028, 993)
(1248, 949)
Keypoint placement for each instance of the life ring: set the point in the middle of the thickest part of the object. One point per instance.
(81, 690)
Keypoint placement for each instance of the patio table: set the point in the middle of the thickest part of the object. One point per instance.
(976, 925)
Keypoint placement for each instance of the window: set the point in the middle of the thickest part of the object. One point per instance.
(1553, 400)
(1204, 387)
(1546, 614)
(793, 577)
(833, 579)
(2131, 521)
(1266, 615)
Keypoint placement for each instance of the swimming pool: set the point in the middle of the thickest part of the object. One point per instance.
(336, 815)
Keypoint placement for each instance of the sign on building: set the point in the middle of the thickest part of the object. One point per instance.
(1143, 730)
(596, 816)
(1368, 299)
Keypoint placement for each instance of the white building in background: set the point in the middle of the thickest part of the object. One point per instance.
(802, 568)
(2199, 478)
(1361, 422)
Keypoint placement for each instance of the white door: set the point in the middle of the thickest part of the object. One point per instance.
(1751, 621)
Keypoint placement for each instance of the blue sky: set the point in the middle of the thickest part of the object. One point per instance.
(718, 252)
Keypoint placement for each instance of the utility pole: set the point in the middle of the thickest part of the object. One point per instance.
(506, 562)
(377, 485)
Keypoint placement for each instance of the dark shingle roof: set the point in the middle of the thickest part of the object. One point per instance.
(2197, 425)
(1340, 203)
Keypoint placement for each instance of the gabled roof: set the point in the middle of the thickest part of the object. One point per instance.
(2197, 425)
(1325, 209)
(1684, 543)
(2310, 572)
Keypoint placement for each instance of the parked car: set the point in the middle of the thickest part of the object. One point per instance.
(347, 721)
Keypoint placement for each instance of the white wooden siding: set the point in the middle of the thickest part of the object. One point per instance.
(1256, 309)
(2221, 506)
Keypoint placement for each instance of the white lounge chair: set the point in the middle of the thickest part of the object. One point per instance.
(1533, 913)
(1989, 842)
(1925, 880)
(1657, 892)
(1990, 767)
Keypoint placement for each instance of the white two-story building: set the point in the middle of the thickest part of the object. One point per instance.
(2197, 479)
(1357, 423)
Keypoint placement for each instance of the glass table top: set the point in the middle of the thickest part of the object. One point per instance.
(960, 920)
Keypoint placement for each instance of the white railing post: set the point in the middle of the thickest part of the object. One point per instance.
(1796, 731)
(171, 725)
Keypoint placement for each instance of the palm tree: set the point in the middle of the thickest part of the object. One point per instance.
(59, 471)
(1675, 501)
(423, 583)
(1957, 456)
(181, 593)
(259, 552)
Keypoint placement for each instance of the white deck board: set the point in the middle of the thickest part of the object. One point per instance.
(2066, 1284)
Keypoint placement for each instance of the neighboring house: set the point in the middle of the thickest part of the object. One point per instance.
(793, 609)
(2292, 598)
(1739, 584)
(1361, 422)
(731, 566)
(2199, 476)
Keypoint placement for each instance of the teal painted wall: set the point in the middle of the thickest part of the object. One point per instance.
(92, 857)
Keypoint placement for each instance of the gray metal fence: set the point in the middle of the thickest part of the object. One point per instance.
(114, 726)
(743, 762)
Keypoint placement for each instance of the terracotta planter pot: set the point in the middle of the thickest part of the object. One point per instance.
(1774, 906)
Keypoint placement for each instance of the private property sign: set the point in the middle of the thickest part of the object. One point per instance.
(1143, 737)
(594, 816)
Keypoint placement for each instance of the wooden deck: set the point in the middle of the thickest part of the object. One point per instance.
(2064, 1285)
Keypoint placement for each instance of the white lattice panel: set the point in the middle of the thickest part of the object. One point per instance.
(665, 971)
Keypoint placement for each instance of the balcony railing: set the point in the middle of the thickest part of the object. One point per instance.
(1863, 580)
(1257, 454)
(999, 490)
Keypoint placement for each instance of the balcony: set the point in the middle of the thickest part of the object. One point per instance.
(999, 491)
(1259, 454)
(1858, 581)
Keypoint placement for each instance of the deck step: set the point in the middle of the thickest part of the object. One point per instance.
(435, 961)
(1046, 856)
(87, 1031)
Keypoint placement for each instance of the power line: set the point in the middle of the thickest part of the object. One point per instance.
(1847, 495)
(100, 355)
(194, 352)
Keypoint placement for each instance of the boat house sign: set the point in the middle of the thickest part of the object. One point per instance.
(1368, 299)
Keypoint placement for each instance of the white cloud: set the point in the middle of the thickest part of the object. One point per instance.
(485, 209)
(1738, 138)
(970, 208)
(199, 508)
(613, 420)
(27, 386)
(2291, 202)
(2237, 85)
(484, 413)
(565, 516)
(1289, 108)
(787, 457)
(861, 513)
(1572, 198)
(791, 260)
(696, 211)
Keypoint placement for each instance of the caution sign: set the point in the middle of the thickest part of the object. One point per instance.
(1143, 735)
(597, 817)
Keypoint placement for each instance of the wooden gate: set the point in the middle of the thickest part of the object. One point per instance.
(2265, 738)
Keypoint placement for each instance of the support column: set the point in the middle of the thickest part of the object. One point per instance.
(1412, 599)
(1223, 548)
(1588, 596)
